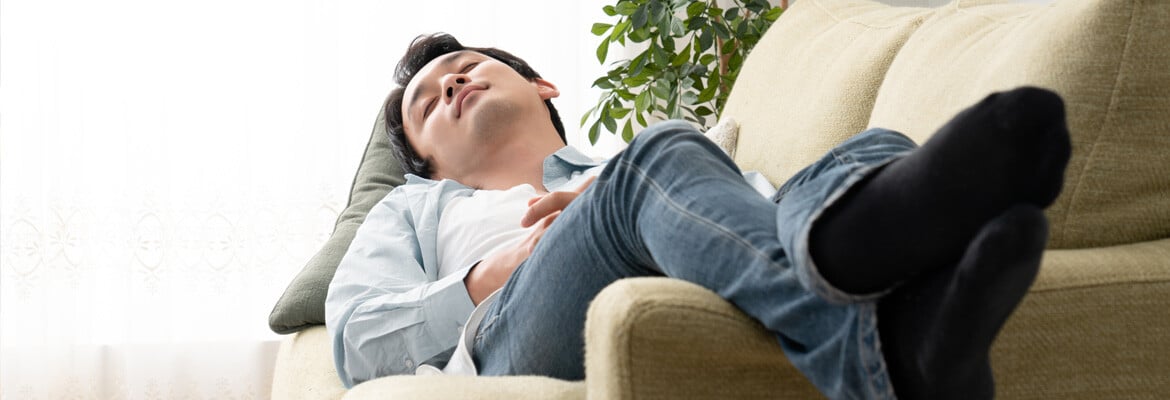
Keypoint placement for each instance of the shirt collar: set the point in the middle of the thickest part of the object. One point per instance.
(558, 168)
(561, 166)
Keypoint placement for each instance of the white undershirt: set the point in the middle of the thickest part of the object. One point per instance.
(474, 227)
(471, 229)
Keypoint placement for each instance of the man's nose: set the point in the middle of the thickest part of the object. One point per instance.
(452, 84)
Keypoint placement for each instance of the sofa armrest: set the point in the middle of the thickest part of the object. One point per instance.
(660, 338)
(304, 368)
(1094, 326)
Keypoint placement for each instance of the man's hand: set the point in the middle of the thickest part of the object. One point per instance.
(491, 273)
(541, 206)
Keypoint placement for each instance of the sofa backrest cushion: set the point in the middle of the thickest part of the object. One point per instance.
(303, 303)
(811, 81)
(1109, 60)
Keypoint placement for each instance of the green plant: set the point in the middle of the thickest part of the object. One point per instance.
(693, 54)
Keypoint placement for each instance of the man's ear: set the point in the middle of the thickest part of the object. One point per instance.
(546, 89)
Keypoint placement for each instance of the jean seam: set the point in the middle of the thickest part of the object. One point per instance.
(682, 210)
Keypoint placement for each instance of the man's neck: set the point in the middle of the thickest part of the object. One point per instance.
(519, 162)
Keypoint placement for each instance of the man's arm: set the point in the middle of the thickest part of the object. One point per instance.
(491, 273)
(386, 314)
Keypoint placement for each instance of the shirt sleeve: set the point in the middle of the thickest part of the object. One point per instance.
(385, 313)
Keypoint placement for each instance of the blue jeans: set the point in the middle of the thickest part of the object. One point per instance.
(674, 205)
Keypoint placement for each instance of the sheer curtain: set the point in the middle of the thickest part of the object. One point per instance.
(167, 167)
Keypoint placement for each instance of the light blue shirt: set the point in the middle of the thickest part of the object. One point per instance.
(388, 310)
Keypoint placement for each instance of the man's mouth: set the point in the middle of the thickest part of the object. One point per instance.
(463, 95)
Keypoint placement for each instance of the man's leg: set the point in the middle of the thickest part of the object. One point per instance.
(673, 204)
(649, 218)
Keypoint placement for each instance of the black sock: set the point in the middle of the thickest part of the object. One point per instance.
(936, 330)
(921, 211)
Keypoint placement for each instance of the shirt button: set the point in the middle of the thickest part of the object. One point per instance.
(409, 363)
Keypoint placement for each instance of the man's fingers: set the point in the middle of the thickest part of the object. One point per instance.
(551, 202)
(541, 206)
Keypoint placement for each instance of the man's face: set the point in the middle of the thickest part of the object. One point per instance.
(460, 104)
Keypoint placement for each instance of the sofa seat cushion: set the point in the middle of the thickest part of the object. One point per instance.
(1109, 60)
(443, 387)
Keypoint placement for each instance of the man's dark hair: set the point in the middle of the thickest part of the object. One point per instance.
(422, 50)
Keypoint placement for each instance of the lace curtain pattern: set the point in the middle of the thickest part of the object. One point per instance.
(167, 168)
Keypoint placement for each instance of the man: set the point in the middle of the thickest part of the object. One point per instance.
(883, 269)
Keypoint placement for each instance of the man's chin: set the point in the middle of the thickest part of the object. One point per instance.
(491, 119)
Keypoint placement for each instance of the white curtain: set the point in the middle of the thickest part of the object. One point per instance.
(167, 167)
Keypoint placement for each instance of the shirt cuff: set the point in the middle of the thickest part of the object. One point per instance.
(448, 307)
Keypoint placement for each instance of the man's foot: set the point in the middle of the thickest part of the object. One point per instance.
(937, 329)
(921, 211)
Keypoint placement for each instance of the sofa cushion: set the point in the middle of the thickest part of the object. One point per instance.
(1109, 60)
(811, 81)
(303, 303)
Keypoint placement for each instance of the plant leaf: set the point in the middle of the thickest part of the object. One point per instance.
(639, 17)
(635, 81)
(707, 59)
(602, 51)
(696, 8)
(728, 47)
(600, 28)
(619, 30)
(642, 102)
(657, 11)
(619, 112)
(706, 39)
(585, 117)
(682, 57)
(610, 124)
(773, 14)
(609, 10)
(660, 58)
(661, 89)
(626, 7)
(722, 31)
(628, 131)
(676, 28)
(603, 83)
(593, 131)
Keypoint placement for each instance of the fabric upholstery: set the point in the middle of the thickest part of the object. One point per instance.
(815, 98)
(659, 338)
(1093, 326)
(303, 303)
(304, 368)
(438, 387)
(1108, 58)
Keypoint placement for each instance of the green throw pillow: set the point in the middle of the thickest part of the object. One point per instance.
(303, 303)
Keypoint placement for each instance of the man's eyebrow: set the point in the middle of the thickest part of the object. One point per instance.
(446, 61)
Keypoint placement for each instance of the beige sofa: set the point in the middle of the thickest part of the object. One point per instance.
(1096, 323)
